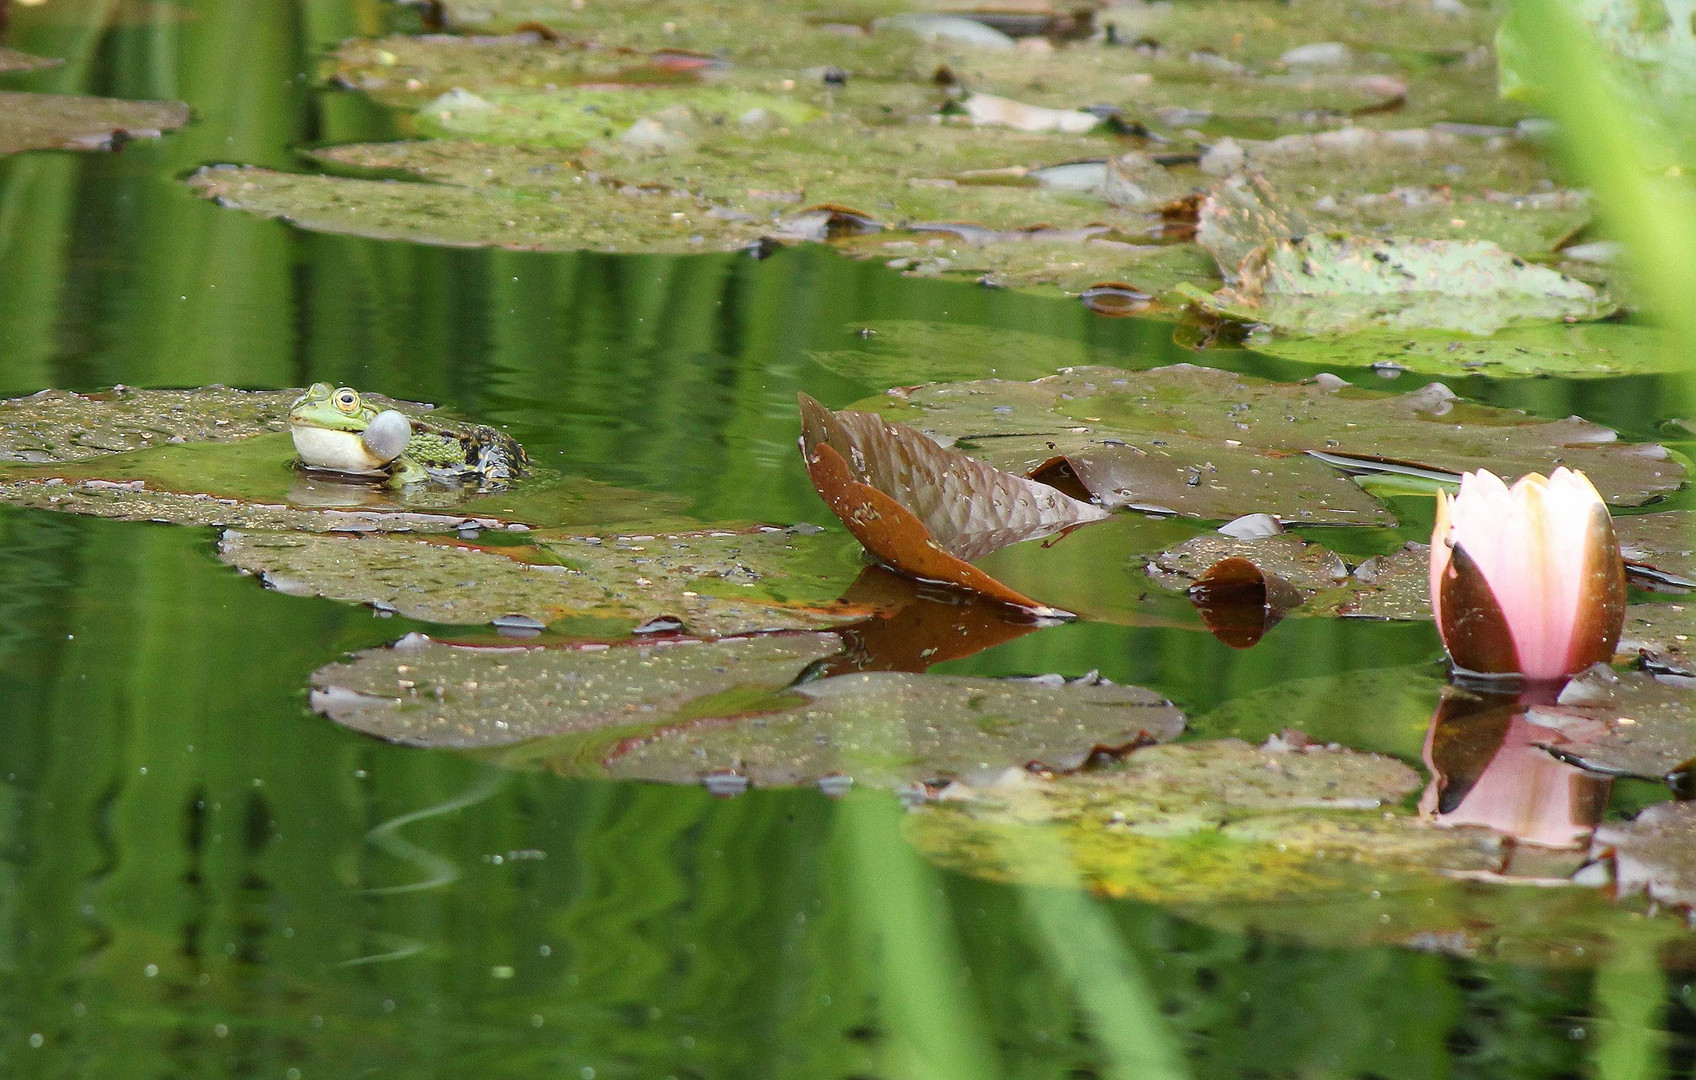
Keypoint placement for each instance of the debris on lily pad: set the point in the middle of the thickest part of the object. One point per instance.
(11, 60)
(1206, 823)
(1662, 633)
(892, 728)
(426, 693)
(1213, 444)
(76, 122)
(714, 583)
(1623, 723)
(1654, 853)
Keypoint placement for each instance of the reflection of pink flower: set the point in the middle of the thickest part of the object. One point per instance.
(1522, 791)
(1527, 579)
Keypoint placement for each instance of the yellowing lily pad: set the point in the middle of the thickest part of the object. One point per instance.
(715, 583)
(1206, 823)
(1213, 444)
(75, 122)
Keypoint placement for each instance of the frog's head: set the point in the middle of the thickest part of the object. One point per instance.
(332, 409)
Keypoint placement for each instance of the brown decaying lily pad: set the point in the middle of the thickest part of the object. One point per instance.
(1209, 443)
(969, 508)
(1622, 724)
(76, 122)
(424, 693)
(717, 583)
(898, 539)
(890, 728)
(1654, 853)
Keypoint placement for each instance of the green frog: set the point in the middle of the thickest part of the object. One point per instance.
(337, 430)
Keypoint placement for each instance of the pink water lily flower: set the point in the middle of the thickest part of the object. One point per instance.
(1527, 579)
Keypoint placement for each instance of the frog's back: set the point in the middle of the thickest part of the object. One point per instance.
(461, 449)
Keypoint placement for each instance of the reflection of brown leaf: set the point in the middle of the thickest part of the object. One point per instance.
(1238, 601)
(969, 508)
(898, 539)
(917, 627)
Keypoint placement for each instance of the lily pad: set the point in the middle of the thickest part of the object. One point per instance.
(1654, 853)
(1207, 823)
(1659, 548)
(424, 693)
(1393, 586)
(716, 583)
(1212, 444)
(892, 728)
(59, 426)
(683, 710)
(11, 60)
(575, 213)
(75, 122)
(1662, 633)
(1622, 724)
(575, 117)
(1578, 351)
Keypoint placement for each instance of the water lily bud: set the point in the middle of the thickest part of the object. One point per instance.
(1527, 579)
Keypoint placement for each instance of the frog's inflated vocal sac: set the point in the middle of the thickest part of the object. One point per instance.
(338, 431)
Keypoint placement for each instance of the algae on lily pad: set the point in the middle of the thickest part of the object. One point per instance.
(1213, 444)
(715, 583)
(59, 426)
(76, 122)
(891, 728)
(1207, 823)
(425, 693)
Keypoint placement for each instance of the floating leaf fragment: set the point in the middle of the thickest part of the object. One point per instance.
(989, 110)
(76, 122)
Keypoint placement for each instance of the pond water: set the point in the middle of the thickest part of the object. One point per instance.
(202, 878)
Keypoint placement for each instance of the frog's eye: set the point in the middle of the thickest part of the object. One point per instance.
(347, 400)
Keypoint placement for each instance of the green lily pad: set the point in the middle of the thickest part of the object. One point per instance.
(893, 352)
(1207, 823)
(680, 711)
(424, 693)
(1578, 351)
(1393, 586)
(76, 122)
(59, 426)
(893, 728)
(716, 583)
(1212, 444)
(11, 60)
(1660, 547)
(576, 214)
(1622, 724)
(1654, 853)
(573, 118)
